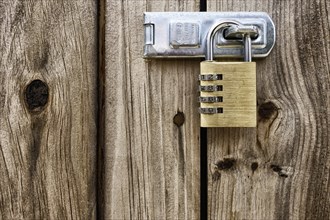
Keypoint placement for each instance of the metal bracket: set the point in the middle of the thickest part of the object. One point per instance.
(183, 34)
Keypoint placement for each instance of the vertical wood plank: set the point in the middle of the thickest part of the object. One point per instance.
(152, 124)
(47, 109)
(281, 170)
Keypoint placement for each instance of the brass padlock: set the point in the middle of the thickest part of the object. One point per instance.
(227, 89)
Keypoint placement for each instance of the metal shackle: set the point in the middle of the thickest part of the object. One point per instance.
(247, 48)
(210, 36)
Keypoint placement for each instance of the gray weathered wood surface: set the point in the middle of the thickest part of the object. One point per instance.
(47, 165)
(281, 170)
(151, 156)
(149, 153)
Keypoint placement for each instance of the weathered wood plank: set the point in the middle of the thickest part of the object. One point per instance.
(47, 130)
(152, 124)
(281, 170)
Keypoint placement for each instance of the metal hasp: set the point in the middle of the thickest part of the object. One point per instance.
(183, 34)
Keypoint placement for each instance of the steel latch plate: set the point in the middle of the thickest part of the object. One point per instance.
(183, 34)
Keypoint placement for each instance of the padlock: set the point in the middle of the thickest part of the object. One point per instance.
(227, 89)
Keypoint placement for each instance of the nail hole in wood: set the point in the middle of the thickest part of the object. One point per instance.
(179, 119)
(36, 95)
(254, 166)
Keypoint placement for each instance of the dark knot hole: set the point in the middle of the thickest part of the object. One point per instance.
(36, 95)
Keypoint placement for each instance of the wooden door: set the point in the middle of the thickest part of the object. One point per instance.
(91, 130)
(278, 170)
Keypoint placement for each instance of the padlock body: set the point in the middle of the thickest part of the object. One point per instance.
(238, 103)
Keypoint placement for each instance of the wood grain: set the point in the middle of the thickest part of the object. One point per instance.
(281, 170)
(152, 123)
(48, 131)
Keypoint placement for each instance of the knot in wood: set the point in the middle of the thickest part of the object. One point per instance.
(36, 95)
(226, 163)
(267, 110)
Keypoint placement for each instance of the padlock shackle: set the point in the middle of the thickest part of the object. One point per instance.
(210, 36)
(247, 48)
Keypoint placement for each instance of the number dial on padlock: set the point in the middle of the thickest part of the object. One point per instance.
(228, 94)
